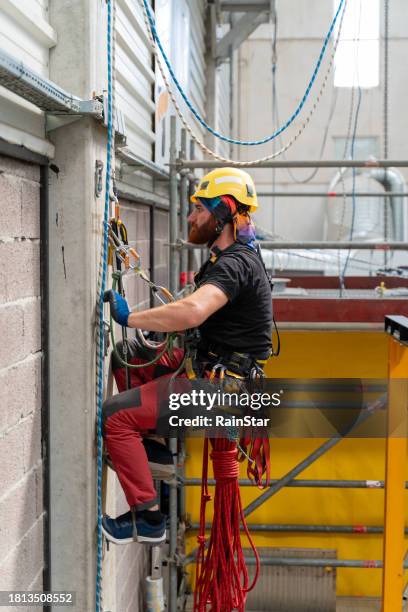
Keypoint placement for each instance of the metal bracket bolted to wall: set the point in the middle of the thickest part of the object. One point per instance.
(46, 95)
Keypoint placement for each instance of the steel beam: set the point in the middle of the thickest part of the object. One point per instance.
(238, 34)
(337, 163)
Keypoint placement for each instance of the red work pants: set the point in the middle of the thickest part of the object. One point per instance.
(132, 413)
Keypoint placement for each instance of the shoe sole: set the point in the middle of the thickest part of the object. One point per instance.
(140, 539)
(159, 471)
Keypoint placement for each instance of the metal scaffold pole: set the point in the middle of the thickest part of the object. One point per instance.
(299, 483)
(347, 245)
(333, 163)
(174, 257)
(331, 194)
(183, 212)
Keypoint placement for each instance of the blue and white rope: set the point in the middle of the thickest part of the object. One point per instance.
(198, 116)
(101, 289)
(206, 150)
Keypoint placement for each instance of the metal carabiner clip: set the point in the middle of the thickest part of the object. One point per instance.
(221, 368)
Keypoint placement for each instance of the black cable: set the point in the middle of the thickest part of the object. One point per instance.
(353, 189)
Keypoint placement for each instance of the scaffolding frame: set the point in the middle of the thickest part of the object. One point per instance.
(177, 247)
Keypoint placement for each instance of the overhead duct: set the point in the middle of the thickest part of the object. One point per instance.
(369, 216)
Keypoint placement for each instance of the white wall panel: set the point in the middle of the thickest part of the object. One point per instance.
(26, 34)
(223, 107)
(197, 64)
(195, 85)
(135, 77)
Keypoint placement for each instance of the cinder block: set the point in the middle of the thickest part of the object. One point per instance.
(11, 458)
(39, 486)
(11, 334)
(31, 433)
(20, 391)
(10, 193)
(30, 209)
(20, 272)
(10, 165)
(32, 326)
(23, 564)
(18, 511)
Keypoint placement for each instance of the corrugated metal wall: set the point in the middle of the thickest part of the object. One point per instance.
(135, 78)
(223, 107)
(26, 34)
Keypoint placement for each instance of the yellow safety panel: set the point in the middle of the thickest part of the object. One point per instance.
(319, 354)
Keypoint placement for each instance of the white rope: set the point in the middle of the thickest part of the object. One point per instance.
(202, 146)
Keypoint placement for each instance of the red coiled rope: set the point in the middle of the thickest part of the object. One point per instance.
(221, 574)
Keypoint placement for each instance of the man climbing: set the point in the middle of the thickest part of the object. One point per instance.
(231, 308)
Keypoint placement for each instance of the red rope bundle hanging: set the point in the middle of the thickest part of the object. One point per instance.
(221, 573)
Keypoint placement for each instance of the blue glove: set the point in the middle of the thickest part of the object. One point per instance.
(118, 306)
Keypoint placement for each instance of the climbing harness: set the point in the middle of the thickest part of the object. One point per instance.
(204, 148)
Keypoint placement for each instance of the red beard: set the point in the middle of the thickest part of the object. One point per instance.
(206, 234)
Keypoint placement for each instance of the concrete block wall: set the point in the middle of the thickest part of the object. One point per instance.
(21, 498)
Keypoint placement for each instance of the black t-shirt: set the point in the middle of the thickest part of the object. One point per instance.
(244, 324)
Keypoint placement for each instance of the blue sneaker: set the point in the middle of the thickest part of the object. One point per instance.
(132, 527)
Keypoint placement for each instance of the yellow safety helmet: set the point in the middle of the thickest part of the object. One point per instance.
(228, 181)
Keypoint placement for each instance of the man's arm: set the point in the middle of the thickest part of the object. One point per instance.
(189, 312)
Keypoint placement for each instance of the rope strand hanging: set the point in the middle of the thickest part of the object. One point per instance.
(221, 574)
(199, 142)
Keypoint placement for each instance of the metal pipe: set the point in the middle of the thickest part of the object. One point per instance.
(300, 467)
(174, 255)
(244, 6)
(330, 194)
(392, 179)
(337, 163)
(308, 562)
(45, 369)
(323, 484)
(343, 245)
(325, 562)
(191, 188)
(173, 510)
(183, 213)
(325, 245)
(357, 529)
